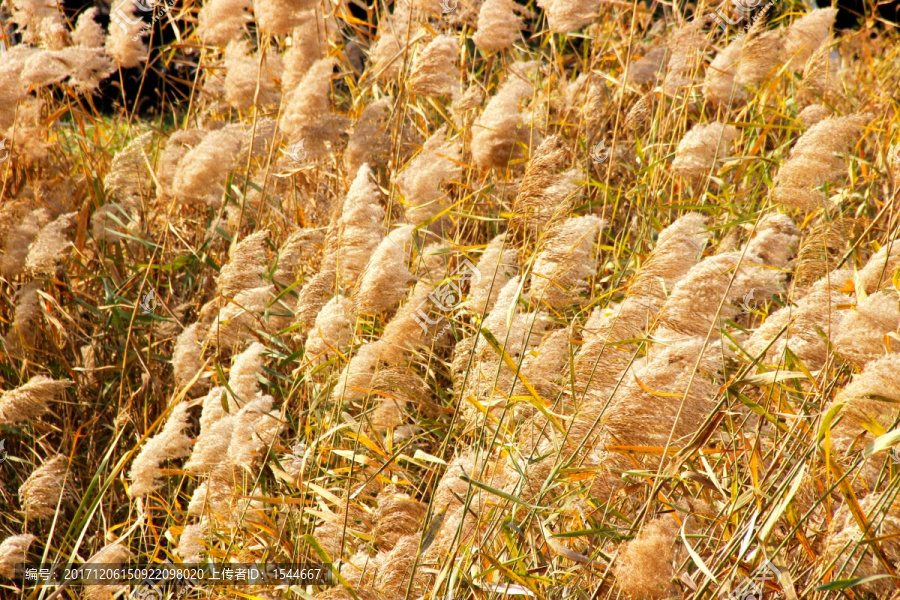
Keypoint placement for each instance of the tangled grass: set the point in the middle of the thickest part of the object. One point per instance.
(470, 300)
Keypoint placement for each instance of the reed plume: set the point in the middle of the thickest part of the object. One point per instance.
(359, 229)
(863, 334)
(250, 78)
(246, 369)
(245, 267)
(433, 72)
(123, 40)
(386, 278)
(565, 261)
(170, 443)
(497, 265)
(805, 35)
(644, 566)
(280, 16)
(422, 180)
(498, 25)
(203, 170)
(307, 114)
(762, 53)
(45, 488)
(701, 147)
(370, 140)
(14, 553)
(719, 85)
(544, 193)
(30, 400)
(817, 311)
(815, 160)
(50, 246)
(496, 135)
(333, 329)
(568, 16)
(220, 22)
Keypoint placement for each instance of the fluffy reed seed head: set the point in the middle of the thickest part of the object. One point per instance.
(498, 25)
(186, 358)
(249, 83)
(211, 448)
(128, 173)
(13, 553)
(819, 253)
(360, 228)
(818, 311)
(246, 370)
(396, 517)
(22, 224)
(544, 193)
(44, 488)
(356, 377)
(203, 170)
(862, 336)
(241, 317)
(123, 41)
(869, 397)
(308, 44)
(701, 147)
(762, 53)
(879, 270)
(192, 542)
(223, 21)
(386, 278)
(370, 140)
(686, 48)
(246, 265)
(851, 555)
(434, 72)
(720, 86)
(390, 51)
(30, 400)
(314, 296)
(50, 246)
(421, 181)
(644, 565)
(28, 310)
(170, 443)
(805, 35)
(333, 329)
(108, 556)
(814, 161)
(497, 265)
(496, 134)
(88, 32)
(280, 16)
(307, 114)
(568, 16)
(565, 261)
(256, 426)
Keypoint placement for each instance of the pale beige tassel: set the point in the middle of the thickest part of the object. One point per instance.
(168, 444)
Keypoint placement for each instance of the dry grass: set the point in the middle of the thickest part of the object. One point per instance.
(573, 311)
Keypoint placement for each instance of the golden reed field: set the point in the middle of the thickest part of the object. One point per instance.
(457, 299)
